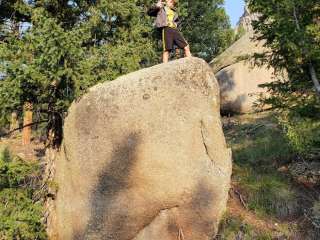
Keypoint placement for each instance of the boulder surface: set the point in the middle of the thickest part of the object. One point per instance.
(144, 157)
(239, 78)
(240, 86)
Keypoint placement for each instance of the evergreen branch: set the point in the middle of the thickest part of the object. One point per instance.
(312, 71)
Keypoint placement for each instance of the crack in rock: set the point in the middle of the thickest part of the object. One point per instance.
(204, 134)
(156, 216)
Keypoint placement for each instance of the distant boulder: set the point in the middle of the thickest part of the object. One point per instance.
(241, 50)
(144, 157)
(239, 78)
(245, 21)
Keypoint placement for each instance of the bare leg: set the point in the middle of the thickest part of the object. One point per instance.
(187, 51)
(165, 56)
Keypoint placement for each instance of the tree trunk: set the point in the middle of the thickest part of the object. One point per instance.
(312, 71)
(14, 123)
(27, 120)
(314, 78)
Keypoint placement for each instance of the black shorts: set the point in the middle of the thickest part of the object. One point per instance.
(171, 36)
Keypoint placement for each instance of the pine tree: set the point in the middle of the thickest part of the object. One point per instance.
(291, 31)
(206, 26)
(69, 48)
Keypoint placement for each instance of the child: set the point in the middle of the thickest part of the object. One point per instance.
(167, 20)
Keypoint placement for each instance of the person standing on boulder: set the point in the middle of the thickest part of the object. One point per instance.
(167, 20)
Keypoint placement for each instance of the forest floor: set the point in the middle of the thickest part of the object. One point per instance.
(265, 203)
(31, 152)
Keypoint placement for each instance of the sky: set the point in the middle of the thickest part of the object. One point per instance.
(234, 9)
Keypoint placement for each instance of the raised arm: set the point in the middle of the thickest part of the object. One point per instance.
(154, 9)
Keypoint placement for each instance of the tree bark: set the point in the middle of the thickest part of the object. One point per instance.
(27, 121)
(312, 71)
(314, 78)
(14, 123)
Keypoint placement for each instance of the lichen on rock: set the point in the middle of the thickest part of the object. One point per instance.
(144, 157)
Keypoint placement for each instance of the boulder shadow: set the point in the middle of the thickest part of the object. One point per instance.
(113, 179)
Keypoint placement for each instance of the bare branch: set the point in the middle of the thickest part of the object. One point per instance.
(19, 128)
(312, 71)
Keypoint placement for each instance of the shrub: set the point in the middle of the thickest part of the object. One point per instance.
(271, 195)
(303, 133)
(20, 206)
(233, 227)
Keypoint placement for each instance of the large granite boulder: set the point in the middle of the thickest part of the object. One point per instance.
(241, 50)
(241, 89)
(144, 157)
(239, 78)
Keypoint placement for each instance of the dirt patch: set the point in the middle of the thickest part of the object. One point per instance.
(31, 152)
(237, 209)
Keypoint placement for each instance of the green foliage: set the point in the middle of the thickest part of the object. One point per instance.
(303, 133)
(206, 26)
(20, 212)
(232, 227)
(5, 155)
(259, 147)
(72, 45)
(20, 216)
(259, 142)
(269, 194)
(291, 30)
(13, 9)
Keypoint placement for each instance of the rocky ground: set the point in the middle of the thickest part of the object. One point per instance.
(32, 152)
(266, 200)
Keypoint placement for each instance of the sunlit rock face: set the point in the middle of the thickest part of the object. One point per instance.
(245, 21)
(144, 157)
(238, 75)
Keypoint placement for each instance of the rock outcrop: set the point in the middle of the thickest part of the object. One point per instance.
(241, 50)
(245, 21)
(144, 157)
(238, 77)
